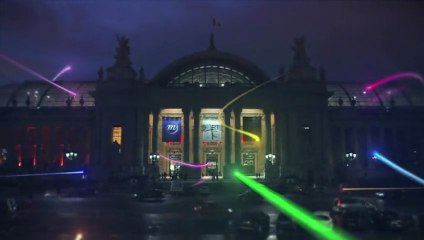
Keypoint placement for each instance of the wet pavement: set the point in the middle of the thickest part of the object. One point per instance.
(118, 215)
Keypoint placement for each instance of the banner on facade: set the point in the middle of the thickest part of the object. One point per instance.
(171, 129)
(252, 125)
(211, 130)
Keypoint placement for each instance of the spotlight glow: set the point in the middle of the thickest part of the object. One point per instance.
(398, 168)
(301, 216)
(42, 174)
(254, 136)
(35, 74)
(79, 236)
(393, 78)
(65, 69)
(186, 164)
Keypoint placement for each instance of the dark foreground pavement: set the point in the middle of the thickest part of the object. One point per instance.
(117, 215)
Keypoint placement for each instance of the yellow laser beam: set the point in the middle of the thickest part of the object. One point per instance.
(254, 136)
(382, 188)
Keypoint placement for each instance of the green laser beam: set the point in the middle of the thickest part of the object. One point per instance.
(299, 215)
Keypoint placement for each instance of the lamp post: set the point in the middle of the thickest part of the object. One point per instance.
(154, 169)
(350, 157)
(270, 171)
(270, 157)
(71, 155)
(154, 157)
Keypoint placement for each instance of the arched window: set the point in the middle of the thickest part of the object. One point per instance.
(210, 76)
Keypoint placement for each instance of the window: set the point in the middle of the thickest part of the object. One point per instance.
(117, 134)
(210, 75)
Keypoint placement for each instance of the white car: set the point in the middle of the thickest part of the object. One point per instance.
(204, 190)
(177, 187)
(324, 217)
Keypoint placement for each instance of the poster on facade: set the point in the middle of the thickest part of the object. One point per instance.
(248, 162)
(171, 129)
(211, 130)
(252, 125)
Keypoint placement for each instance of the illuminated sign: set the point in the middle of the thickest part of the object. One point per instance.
(171, 129)
(211, 130)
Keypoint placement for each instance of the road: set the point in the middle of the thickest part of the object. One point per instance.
(118, 215)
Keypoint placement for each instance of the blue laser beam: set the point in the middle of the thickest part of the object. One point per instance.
(42, 174)
(398, 168)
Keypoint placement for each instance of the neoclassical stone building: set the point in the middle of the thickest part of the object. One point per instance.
(307, 122)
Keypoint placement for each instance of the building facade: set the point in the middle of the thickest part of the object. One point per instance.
(308, 123)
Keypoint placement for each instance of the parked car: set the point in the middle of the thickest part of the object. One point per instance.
(211, 216)
(388, 195)
(391, 220)
(252, 221)
(250, 197)
(8, 209)
(150, 195)
(325, 218)
(358, 219)
(343, 204)
(204, 190)
(211, 209)
(177, 187)
(287, 229)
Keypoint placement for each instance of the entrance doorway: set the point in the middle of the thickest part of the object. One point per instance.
(174, 168)
(212, 157)
(248, 160)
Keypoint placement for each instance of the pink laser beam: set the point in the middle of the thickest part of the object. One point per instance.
(394, 77)
(65, 69)
(186, 164)
(30, 71)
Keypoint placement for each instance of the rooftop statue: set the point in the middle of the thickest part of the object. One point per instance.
(122, 52)
(301, 69)
(122, 68)
(300, 57)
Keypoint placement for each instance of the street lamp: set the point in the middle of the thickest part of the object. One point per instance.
(350, 157)
(270, 157)
(71, 155)
(154, 157)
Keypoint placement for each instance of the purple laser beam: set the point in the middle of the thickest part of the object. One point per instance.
(65, 69)
(35, 74)
(394, 77)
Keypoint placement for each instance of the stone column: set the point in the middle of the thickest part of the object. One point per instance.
(268, 147)
(145, 137)
(342, 143)
(196, 116)
(52, 145)
(227, 118)
(38, 144)
(155, 130)
(186, 124)
(281, 160)
(237, 138)
(369, 144)
(138, 148)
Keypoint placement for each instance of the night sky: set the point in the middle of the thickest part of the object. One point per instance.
(352, 40)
